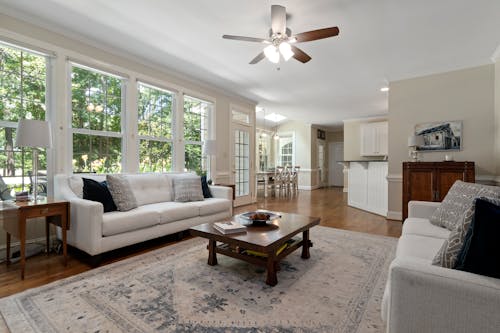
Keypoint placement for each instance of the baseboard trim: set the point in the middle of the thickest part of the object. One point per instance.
(396, 178)
(308, 187)
(393, 215)
(346, 189)
(28, 241)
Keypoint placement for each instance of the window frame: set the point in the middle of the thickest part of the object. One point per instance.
(209, 134)
(173, 139)
(87, 131)
(290, 135)
(48, 56)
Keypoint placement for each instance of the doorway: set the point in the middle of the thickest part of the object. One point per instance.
(336, 170)
(241, 164)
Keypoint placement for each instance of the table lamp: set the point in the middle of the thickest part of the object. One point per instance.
(34, 134)
(415, 141)
(209, 149)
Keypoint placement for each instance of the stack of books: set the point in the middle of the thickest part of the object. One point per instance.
(22, 196)
(230, 227)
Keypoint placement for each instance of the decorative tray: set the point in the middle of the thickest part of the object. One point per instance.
(260, 217)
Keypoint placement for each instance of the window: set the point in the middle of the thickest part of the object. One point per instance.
(22, 95)
(286, 151)
(196, 130)
(241, 117)
(96, 100)
(155, 124)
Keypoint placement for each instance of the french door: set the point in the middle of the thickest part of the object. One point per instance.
(242, 165)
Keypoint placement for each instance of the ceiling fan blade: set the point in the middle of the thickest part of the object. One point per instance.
(317, 34)
(300, 55)
(258, 58)
(246, 39)
(278, 19)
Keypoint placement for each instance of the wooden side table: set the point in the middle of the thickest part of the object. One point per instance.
(15, 215)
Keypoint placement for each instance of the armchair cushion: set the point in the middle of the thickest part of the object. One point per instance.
(458, 200)
(481, 250)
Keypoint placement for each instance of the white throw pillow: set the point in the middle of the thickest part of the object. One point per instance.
(76, 185)
(122, 194)
(188, 188)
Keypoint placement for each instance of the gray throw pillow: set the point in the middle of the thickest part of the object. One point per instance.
(448, 253)
(121, 191)
(187, 188)
(458, 200)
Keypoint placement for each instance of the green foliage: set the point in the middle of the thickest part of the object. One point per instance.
(22, 95)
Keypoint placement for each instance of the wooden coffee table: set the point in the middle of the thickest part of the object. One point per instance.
(266, 239)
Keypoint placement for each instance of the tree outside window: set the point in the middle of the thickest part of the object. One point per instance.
(196, 127)
(96, 100)
(22, 96)
(155, 125)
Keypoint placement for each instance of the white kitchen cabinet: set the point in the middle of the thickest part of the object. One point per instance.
(367, 186)
(374, 139)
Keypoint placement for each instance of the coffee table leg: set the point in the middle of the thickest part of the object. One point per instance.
(212, 255)
(271, 279)
(305, 245)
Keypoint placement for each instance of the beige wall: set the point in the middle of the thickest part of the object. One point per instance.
(101, 57)
(466, 95)
(337, 136)
(352, 139)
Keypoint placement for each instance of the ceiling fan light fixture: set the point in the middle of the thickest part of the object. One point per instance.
(286, 51)
(272, 54)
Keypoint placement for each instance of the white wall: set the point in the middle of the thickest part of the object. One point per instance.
(65, 48)
(466, 95)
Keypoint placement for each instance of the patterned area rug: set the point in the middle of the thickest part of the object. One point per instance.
(339, 289)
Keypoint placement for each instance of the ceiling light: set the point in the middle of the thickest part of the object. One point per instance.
(286, 51)
(259, 109)
(384, 89)
(276, 136)
(272, 54)
(274, 117)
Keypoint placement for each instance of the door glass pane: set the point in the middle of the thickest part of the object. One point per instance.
(242, 162)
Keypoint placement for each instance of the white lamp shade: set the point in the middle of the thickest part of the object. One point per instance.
(33, 133)
(210, 147)
(415, 141)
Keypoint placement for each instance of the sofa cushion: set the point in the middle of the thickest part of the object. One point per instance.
(447, 255)
(174, 211)
(205, 188)
(458, 200)
(421, 247)
(122, 194)
(114, 223)
(481, 251)
(187, 188)
(423, 227)
(98, 191)
(213, 206)
(150, 188)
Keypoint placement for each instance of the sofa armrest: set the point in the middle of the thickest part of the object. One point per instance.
(428, 298)
(222, 192)
(422, 209)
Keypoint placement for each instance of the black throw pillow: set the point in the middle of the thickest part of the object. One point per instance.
(480, 253)
(95, 191)
(205, 188)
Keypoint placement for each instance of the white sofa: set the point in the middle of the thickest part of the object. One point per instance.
(96, 232)
(421, 297)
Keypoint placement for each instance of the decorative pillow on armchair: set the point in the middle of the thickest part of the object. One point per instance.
(458, 200)
(187, 188)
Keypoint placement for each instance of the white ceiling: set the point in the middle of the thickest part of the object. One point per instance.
(380, 41)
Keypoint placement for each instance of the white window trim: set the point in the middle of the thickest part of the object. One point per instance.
(294, 147)
(91, 132)
(174, 122)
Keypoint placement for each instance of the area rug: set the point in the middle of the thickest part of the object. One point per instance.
(339, 289)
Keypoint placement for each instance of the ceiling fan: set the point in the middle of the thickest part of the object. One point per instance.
(281, 42)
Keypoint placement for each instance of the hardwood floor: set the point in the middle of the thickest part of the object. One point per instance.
(330, 204)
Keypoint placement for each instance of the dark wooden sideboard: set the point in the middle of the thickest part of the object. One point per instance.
(430, 181)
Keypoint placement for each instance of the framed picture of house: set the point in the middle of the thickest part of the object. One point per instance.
(439, 136)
